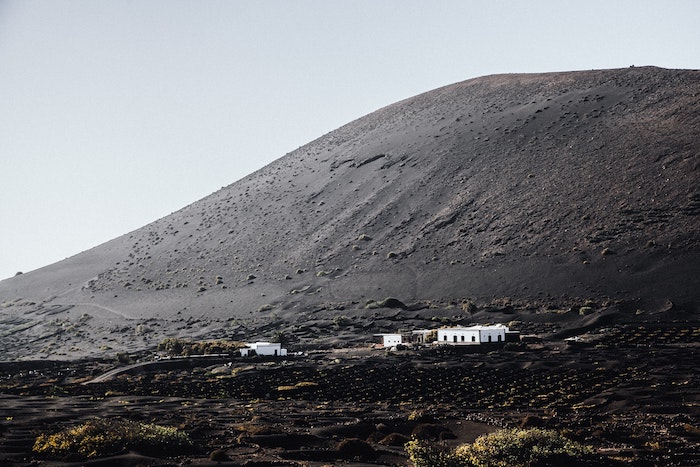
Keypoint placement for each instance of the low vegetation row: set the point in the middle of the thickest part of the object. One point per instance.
(100, 437)
(503, 448)
(182, 347)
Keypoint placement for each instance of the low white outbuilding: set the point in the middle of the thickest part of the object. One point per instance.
(391, 340)
(472, 335)
(272, 349)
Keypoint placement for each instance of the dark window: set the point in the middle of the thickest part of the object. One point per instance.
(473, 338)
(455, 338)
(462, 338)
(489, 337)
(445, 337)
(499, 338)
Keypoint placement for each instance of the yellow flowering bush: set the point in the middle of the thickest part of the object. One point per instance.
(101, 436)
(503, 448)
(519, 447)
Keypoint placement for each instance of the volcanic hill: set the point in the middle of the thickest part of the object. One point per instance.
(536, 188)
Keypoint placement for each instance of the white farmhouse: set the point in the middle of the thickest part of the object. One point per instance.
(473, 335)
(273, 349)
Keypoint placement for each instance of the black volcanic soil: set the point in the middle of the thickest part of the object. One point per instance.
(630, 391)
(565, 204)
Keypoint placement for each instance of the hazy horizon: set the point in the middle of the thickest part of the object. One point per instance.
(119, 113)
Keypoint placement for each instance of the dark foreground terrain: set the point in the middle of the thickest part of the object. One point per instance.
(630, 390)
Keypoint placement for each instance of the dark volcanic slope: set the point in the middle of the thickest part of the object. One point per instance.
(581, 184)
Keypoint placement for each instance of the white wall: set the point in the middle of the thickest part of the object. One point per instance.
(264, 348)
(458, 336)
(472, 335)
(390, 340)
(496, 335)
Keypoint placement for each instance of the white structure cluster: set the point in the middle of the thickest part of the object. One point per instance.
(471, 335)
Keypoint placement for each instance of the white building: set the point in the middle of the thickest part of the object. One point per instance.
(391, 340)
(473, 335)
(273, 349)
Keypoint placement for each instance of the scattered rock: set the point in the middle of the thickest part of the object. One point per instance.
(388, 302)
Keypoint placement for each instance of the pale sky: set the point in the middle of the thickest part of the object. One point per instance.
(114, 113)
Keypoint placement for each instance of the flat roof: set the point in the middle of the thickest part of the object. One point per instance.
(477, 327)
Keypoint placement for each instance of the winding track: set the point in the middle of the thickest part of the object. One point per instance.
(159, 365)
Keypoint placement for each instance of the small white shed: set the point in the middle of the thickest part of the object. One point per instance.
(273, 349)
(391, 340)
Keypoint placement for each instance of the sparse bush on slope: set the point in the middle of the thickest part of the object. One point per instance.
(101, 437)
(424, 454)
(182, 347)
(503, 448)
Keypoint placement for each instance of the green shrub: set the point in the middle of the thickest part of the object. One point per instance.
(503, 448)
(519, 447)
(183, 347)
(172, 345)
(424, 454)
(101, 437)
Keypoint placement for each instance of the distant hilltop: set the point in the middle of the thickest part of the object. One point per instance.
(537, 187)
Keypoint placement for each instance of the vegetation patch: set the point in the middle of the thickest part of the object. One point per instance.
(102, 437)
(183, 347)
(503, 448)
